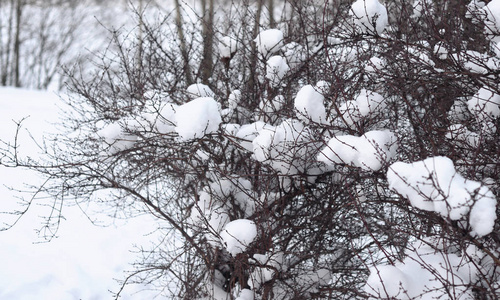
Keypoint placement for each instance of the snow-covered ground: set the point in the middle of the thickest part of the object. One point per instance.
(84, 259)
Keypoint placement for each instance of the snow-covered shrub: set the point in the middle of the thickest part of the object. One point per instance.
(348, 150)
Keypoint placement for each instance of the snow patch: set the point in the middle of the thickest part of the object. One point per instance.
(369, 152)
(276, 70)
(370, 16)
(197, 118)
(198, 90)
(309, 103)
(238, 235)
(269, 41)
(434, 185)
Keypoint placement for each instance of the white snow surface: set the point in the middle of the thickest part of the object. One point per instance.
(284, 147)
(276, 70)
(484, 105)
(116, 137)
(374, 65)
(269, 41)
(84, 259)
(434, 185)
(475, 11)
(197, 90)
(238, 235)
(245, 294)
(369, 16)
(294, 53)
(210, 215)
(365, 103)
(476, 62)
(459, 133)
(197, 118)
(234, 99)
(369, 151)
(421, 276)
(165, 122)
(309, 103)
(248, 132)
(492, 21)
(227, 46)
(420, 7)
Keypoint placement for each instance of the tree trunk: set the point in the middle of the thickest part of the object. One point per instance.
(206, 64)
(270, 6)
(251, 88)
(182, 43)
(6, 66)
(140, 37)
(17, 44)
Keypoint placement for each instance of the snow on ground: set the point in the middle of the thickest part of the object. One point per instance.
(84, 260)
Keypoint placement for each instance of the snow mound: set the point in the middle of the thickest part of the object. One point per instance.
(228, 46)
(434, 185)
(276, 70)
(424, 274)
(198, 90)
(285, 147)
(492, 22)
(116, 137)
(309, 103)
(484, 105)
(370, 16)
(238, 235)
(166, 119)
(197, 118)
(269, 41)
(366, 103)
(369, 151)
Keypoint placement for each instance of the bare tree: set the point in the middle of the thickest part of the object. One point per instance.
(40, 37)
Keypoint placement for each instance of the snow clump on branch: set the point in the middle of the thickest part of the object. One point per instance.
(309, 103)
(370, 16)
(366, 103)
(484, 105)
(424, 274)
(269, 41)
(369, 151)
(197, 118)
(276, 69)
(228, 46)
(434, 185)
(238, 235)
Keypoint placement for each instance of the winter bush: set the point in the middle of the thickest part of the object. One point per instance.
(338, 149)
